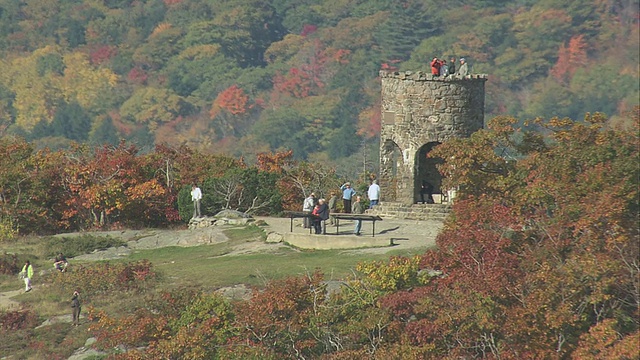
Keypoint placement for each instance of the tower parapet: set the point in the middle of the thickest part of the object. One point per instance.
(420, 111)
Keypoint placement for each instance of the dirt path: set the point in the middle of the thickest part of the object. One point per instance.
(6, 301)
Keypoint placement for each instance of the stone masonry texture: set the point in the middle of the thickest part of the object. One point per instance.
(420, 111)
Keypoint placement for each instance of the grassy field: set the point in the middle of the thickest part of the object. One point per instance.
(211, 266)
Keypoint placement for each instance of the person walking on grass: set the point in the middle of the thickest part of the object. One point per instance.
(75, 306)
(27, 275)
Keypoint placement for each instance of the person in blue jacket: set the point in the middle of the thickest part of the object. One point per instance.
(347, 194)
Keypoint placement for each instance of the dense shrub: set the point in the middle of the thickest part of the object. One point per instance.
(74, 246)
(23, 318)
(9, 264)
(106, 277)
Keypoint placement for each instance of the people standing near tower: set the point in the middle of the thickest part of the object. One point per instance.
(464, 68)
(358, 208)
(333, 206)
(347, 194)
(321, 211)
(426, 189)
(444, 69)
(435, 66)
(452, 66)
(307, 207)
(373, 193)
(196, 196)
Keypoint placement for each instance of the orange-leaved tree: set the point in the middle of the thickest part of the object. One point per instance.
(541, 248)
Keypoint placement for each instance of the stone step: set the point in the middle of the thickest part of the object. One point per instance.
(412, 212)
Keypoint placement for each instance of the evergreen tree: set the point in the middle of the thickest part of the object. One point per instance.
(408, 24)
(344, 142)
(104, 132)
(71, 121)
(40, 130)
(142, 138)
(75, 33)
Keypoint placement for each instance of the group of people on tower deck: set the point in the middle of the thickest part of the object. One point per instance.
(351, 202)
(317, 207)
(439, 67)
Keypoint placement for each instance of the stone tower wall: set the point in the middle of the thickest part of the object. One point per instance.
(419, 109)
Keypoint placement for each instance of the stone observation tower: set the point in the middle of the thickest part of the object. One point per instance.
(420, 111)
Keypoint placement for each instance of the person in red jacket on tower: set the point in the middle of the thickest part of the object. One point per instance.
(435, 66)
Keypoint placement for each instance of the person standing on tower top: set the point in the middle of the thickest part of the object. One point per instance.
(452, 66)
(464, 68)
(435, 66)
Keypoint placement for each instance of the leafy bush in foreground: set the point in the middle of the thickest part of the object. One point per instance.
(106, 277)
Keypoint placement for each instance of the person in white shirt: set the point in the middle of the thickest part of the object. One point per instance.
(196, 196)
(307, 206)
(374, 194)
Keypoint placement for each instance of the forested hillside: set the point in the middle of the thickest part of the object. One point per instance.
(244, 76)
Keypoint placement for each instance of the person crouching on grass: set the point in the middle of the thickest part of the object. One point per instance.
(61, 263)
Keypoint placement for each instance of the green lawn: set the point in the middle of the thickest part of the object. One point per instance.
(208, 266)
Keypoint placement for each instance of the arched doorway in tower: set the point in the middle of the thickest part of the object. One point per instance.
(390, 159)
(426, 170)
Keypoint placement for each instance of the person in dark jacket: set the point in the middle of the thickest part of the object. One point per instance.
(452, 66)
(358, 208)
(75, 306)
(321, 211)
(427, 189)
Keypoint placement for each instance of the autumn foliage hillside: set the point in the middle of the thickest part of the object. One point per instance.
(242, 77)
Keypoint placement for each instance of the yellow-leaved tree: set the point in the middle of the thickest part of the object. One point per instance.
(84, 82)
(32, 79)
(48, 77)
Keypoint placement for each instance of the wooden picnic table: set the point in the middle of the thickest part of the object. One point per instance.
(362, 217)
(304, 214)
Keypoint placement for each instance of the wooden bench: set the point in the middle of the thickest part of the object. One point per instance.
(362, 217)
(303, 214)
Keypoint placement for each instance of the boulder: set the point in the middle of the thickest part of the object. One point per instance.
(274, 237)
(232, 214)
